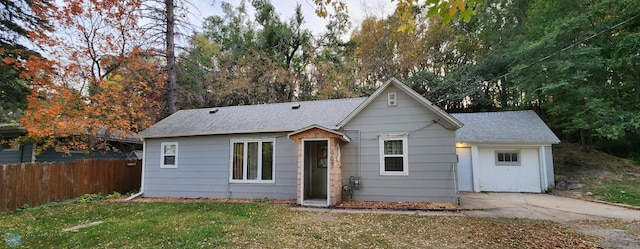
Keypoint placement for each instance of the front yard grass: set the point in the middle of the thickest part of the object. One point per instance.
(266, 225)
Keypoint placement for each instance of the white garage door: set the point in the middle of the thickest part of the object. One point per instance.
(465, 175)
(502, 177)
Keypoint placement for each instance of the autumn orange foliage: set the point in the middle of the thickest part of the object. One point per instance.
(101, 80)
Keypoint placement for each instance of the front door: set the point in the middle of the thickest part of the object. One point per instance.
(319, 171)
(315, 170)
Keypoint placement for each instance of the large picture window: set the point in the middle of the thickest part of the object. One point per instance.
(393, 155)
(169, 155)
(252, 160)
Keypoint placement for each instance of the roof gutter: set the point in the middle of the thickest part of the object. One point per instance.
(218, 133)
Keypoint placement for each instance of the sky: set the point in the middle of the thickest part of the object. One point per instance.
(358, 10)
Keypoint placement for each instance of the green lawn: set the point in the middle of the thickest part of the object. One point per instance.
(625, 190)
(265, 225)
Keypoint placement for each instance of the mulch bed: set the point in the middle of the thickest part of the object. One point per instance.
(401, 206)
(372, 205)
(214, 200)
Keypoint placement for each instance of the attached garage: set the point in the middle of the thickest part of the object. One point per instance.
(504, 152)
(523, 176)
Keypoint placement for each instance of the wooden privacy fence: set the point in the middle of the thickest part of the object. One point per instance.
(40, 183)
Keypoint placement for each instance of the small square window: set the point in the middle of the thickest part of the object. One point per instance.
(169, 155)
(508, 158)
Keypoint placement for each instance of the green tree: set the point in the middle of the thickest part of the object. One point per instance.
(446, 10)
(243, 60)
(577, 61)
(490, 37)
(17, 21)
(330, 73)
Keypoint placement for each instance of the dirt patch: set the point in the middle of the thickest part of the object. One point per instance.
(574, 162)
(611, 237)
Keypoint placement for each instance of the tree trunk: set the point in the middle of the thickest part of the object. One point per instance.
(172, 98)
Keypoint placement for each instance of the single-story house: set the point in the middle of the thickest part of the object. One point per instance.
(392, 146)
(25, 152)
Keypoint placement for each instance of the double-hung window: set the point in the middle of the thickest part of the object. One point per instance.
(169, 155)
(393, 155)
(252, 160)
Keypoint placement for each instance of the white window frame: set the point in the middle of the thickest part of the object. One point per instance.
(405, 154)
(508, 163)
(245, 161)
(162, 155)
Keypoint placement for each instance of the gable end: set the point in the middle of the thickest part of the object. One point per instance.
(446, 120)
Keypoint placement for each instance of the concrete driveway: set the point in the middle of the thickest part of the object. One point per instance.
(541, 206)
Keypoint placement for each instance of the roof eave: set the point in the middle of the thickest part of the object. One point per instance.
(142, 136)
(343, 136)
(509, 142)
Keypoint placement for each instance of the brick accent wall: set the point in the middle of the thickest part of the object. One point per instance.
(335, 178)
(335, 169)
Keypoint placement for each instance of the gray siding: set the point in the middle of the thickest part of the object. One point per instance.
(431, 153)
(203, 169)
(20, 155)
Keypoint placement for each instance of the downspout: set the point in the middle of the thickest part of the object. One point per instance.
(455, 180)
(359, 153)
(144, 153)
(33, 152)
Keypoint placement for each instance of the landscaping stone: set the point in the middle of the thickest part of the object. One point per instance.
(561, 185)
(574, 185)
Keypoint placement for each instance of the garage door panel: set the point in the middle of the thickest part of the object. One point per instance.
(498, 178)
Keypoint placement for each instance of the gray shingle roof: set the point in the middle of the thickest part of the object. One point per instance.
(503, 127)
(280, 117)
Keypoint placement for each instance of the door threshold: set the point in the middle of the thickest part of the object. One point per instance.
(315, 203)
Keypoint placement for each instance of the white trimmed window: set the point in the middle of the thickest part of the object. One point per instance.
(508, 158)
(393, 155)
(169, 155)
(252, 160)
